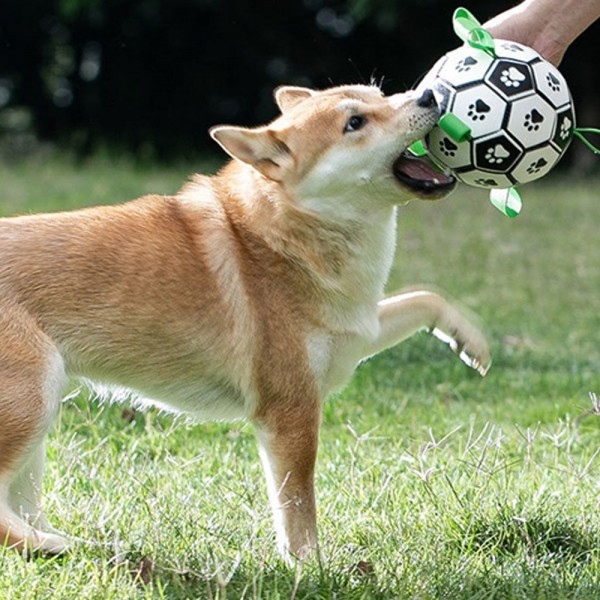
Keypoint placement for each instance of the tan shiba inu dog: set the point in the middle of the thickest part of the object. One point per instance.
(248, 295)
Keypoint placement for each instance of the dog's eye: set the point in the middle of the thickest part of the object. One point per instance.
(355, 123)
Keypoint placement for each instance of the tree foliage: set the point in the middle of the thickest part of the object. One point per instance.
(158, 73)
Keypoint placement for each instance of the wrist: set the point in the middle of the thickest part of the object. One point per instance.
(551, 49)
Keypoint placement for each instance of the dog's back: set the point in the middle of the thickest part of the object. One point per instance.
(130, 294)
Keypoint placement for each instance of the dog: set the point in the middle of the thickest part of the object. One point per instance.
(250, 294)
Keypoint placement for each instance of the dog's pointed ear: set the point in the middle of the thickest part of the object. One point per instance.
(258, 147)
(288, 96)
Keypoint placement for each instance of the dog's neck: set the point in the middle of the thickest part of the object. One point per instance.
(347, 259)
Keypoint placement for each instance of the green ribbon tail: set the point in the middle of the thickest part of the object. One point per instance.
(470, 31)
(463, 22)
(508, 201)
(579, 133)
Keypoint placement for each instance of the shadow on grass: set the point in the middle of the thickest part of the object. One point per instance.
(520, 583)
(253, 580)
(536, 538)
(546, 577)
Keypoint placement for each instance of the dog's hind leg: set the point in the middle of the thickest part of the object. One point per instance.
(31, 377)
(25, 490)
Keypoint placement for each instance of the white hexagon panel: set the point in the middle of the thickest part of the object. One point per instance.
(551, 84)
(531, 121)
(447, 152)
(480, 108)
(465, 65)
(508, 49)
(535, 164)
(485, 180)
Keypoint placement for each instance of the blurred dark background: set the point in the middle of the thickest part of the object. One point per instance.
(151, 76)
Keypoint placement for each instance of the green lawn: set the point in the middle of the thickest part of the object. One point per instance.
(432, 482)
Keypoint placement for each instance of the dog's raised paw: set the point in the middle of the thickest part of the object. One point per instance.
(476, 359)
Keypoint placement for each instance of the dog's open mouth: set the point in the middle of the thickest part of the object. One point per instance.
(419, 174)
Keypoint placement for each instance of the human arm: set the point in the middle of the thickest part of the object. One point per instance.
(548, 26)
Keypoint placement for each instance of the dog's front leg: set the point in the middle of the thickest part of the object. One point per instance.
(402, 315)
(288, 439)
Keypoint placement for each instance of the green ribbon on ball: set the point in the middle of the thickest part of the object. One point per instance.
(508, 201)
(470, 31)
(458, 130)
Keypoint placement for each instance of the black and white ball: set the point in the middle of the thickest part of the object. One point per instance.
(517, 105)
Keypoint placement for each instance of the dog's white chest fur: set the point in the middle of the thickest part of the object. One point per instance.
(335, 352)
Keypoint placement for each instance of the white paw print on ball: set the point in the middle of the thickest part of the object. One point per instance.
(496, 154)
(512, 77)
(565, 128)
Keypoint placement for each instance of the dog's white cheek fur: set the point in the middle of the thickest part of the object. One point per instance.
(365, 187)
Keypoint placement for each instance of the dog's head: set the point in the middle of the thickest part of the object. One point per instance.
(347, 144)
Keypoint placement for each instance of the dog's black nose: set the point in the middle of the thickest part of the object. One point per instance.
(427, 99)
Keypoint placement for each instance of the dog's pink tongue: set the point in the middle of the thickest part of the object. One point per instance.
(421, 169)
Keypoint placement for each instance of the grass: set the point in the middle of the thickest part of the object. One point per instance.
(432, 482)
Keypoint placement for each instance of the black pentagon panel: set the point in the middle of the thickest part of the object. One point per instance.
(496, 154)
(565, 124)
(511, 79)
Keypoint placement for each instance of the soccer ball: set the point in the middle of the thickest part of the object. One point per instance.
(517, 105)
